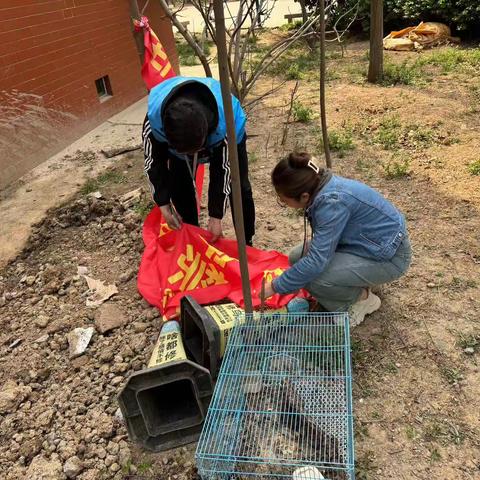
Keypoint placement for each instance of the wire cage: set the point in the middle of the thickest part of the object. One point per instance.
(282, 406)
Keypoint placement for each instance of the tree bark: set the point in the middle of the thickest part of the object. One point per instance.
(375, 68)
(323, 111)
(304, 10)
(224, 72)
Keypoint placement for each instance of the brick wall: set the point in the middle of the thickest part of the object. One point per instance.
(51, 53)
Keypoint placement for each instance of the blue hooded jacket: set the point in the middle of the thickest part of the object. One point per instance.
(161, 92)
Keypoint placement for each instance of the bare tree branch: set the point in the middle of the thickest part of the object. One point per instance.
(188, 37)
(289, 114)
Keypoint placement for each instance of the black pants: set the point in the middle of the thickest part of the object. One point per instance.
(183, 193)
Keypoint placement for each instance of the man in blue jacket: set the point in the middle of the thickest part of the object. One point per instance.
(185, 125)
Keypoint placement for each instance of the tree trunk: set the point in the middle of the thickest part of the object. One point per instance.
(323, 110)
(224, 72)
(375, 68)
(304, 10)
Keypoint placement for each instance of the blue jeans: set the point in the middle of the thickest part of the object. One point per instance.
(340, 285)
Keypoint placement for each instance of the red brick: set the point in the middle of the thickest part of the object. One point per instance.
(59, 58)
(24, 22)
(17, 12)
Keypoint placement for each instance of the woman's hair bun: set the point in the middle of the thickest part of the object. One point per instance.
(299, 159)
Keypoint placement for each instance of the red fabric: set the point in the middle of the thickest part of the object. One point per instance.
(180, 262)
(156, 67)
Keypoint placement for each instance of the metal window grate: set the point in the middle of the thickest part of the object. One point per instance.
(282, 401)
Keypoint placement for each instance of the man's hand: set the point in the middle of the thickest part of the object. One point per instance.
(215, 228)
(172, 218)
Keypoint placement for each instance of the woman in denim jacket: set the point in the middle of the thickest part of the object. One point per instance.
(359, 238)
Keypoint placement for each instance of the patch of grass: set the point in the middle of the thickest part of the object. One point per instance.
(293, 72)
(186, 54)
(302, 113)
(397, 167)
(389, 132)
(444, 432)
(404, 73)
(461, 284)
(452, 59)
(94, 184)
(474, 167)
(391, 368)
(296, 64)
(252, 157)
(451, 375)
(288, 27)
(144, 467)
(469, 340)
(435, 455)
(340, 141)
(143, 207)
(411, 433)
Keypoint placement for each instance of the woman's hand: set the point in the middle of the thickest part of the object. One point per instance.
(215, 228)
(174, 221)
(269, 291)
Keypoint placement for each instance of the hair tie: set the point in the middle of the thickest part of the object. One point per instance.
(311, 164)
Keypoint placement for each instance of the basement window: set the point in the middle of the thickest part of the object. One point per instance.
(104, 90)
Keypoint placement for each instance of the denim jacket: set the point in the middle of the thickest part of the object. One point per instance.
(345, 216)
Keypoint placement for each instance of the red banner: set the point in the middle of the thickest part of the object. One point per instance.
(180, 262)
(156, 67)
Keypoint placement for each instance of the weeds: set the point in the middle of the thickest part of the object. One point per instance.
(404, 73)
(397, 167)
(340, 141)
(474, 167)
(469, 341)
(389, 132)
(94, 184)
(461, 284)
(144, 467)
(288, 27)
(252, 157)
(451, 59)
(443, 432)
(186, 54)
(435, 455)
(302, 113)
(296, 65)
(411, 432)
(143, 207)
(413, 73)
(451, 375)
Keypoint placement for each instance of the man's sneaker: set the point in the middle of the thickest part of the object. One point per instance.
(361, 308)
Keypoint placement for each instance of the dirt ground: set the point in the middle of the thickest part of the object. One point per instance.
(416, 360)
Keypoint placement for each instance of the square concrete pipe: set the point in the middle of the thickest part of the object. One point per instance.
(165, 404)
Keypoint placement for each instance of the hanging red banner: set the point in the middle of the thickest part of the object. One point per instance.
(156, 67)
